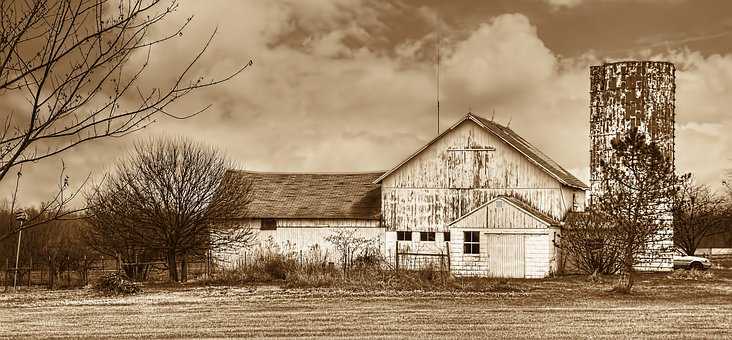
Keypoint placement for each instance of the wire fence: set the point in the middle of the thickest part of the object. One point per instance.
(416, 259)
(43, 274)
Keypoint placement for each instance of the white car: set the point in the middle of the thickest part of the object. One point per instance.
(691, 262)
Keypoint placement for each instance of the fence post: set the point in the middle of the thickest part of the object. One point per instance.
(5, 277)
(208, 263)
(51, 273)
(30, 272)
(85, 271)
(442, 262)
(396, 256)
(68, 272)
(449, 267)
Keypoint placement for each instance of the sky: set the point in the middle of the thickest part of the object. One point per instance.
(348, 86)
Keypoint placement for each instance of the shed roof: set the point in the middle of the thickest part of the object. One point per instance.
(514, 140)
(309, 195)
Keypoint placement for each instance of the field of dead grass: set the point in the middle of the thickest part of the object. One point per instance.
(566, 307)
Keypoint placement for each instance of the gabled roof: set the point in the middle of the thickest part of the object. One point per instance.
(518, 204)
(309, 195)
(511, 138)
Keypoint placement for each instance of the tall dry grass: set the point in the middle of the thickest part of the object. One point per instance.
(312, 269)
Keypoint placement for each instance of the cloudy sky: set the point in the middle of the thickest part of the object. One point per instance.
(350, 85)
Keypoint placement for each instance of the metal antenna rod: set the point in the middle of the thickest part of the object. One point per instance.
(437, 45)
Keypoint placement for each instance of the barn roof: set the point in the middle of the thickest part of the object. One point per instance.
(517, 142)
(309, 195)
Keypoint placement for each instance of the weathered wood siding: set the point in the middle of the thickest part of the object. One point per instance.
(445, 181)
(302, 236)
(438, 246)
(506, 255)
(499, 214)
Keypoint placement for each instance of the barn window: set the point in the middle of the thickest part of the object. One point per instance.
(471, 243)
(446, 236)
(427, 236)
(268, 224)
(404, 235)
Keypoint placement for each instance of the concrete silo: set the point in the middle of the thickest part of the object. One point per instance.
(631, 94)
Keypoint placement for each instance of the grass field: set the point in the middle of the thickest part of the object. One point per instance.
(561, 308)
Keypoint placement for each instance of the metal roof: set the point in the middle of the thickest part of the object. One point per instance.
(309, 195)
(517, 142)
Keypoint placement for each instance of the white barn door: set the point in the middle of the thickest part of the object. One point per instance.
(506, 255)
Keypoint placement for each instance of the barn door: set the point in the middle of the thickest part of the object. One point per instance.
(506, 255)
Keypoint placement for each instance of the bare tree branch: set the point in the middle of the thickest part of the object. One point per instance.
(74, 63)
(171, 199)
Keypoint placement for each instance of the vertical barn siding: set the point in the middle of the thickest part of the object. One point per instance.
(439, 185)
(538, 255)
(499, 214)
(506, 255)
(438, 246)
(303, 235)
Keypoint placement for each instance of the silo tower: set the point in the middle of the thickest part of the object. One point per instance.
(633, 94)
(630, 94)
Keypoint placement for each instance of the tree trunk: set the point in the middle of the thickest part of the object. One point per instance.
(625, 283)
(172, 267)
(129, 271)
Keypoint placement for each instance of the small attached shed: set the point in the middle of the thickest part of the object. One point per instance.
(504, 237)
(296, 212)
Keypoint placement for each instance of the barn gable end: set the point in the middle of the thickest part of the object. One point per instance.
(471, 163)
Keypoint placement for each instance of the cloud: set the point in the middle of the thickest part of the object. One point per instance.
(502, 56)
(325, 94)
(563, 3)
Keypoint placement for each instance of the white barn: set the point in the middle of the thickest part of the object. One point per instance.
(483, 194)
(478, 191)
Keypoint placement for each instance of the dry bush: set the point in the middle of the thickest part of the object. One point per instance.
(301, 279)
(273, 265)
(117, 283)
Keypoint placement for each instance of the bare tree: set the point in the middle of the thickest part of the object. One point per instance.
(698, 213)
(171, 198)
(587, 238)
(76, 66)
(351, 247)
(637, 191)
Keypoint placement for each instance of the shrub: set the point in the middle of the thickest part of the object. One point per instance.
(697, 275)
(276, 268)
(117, 283)
(586, 243)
